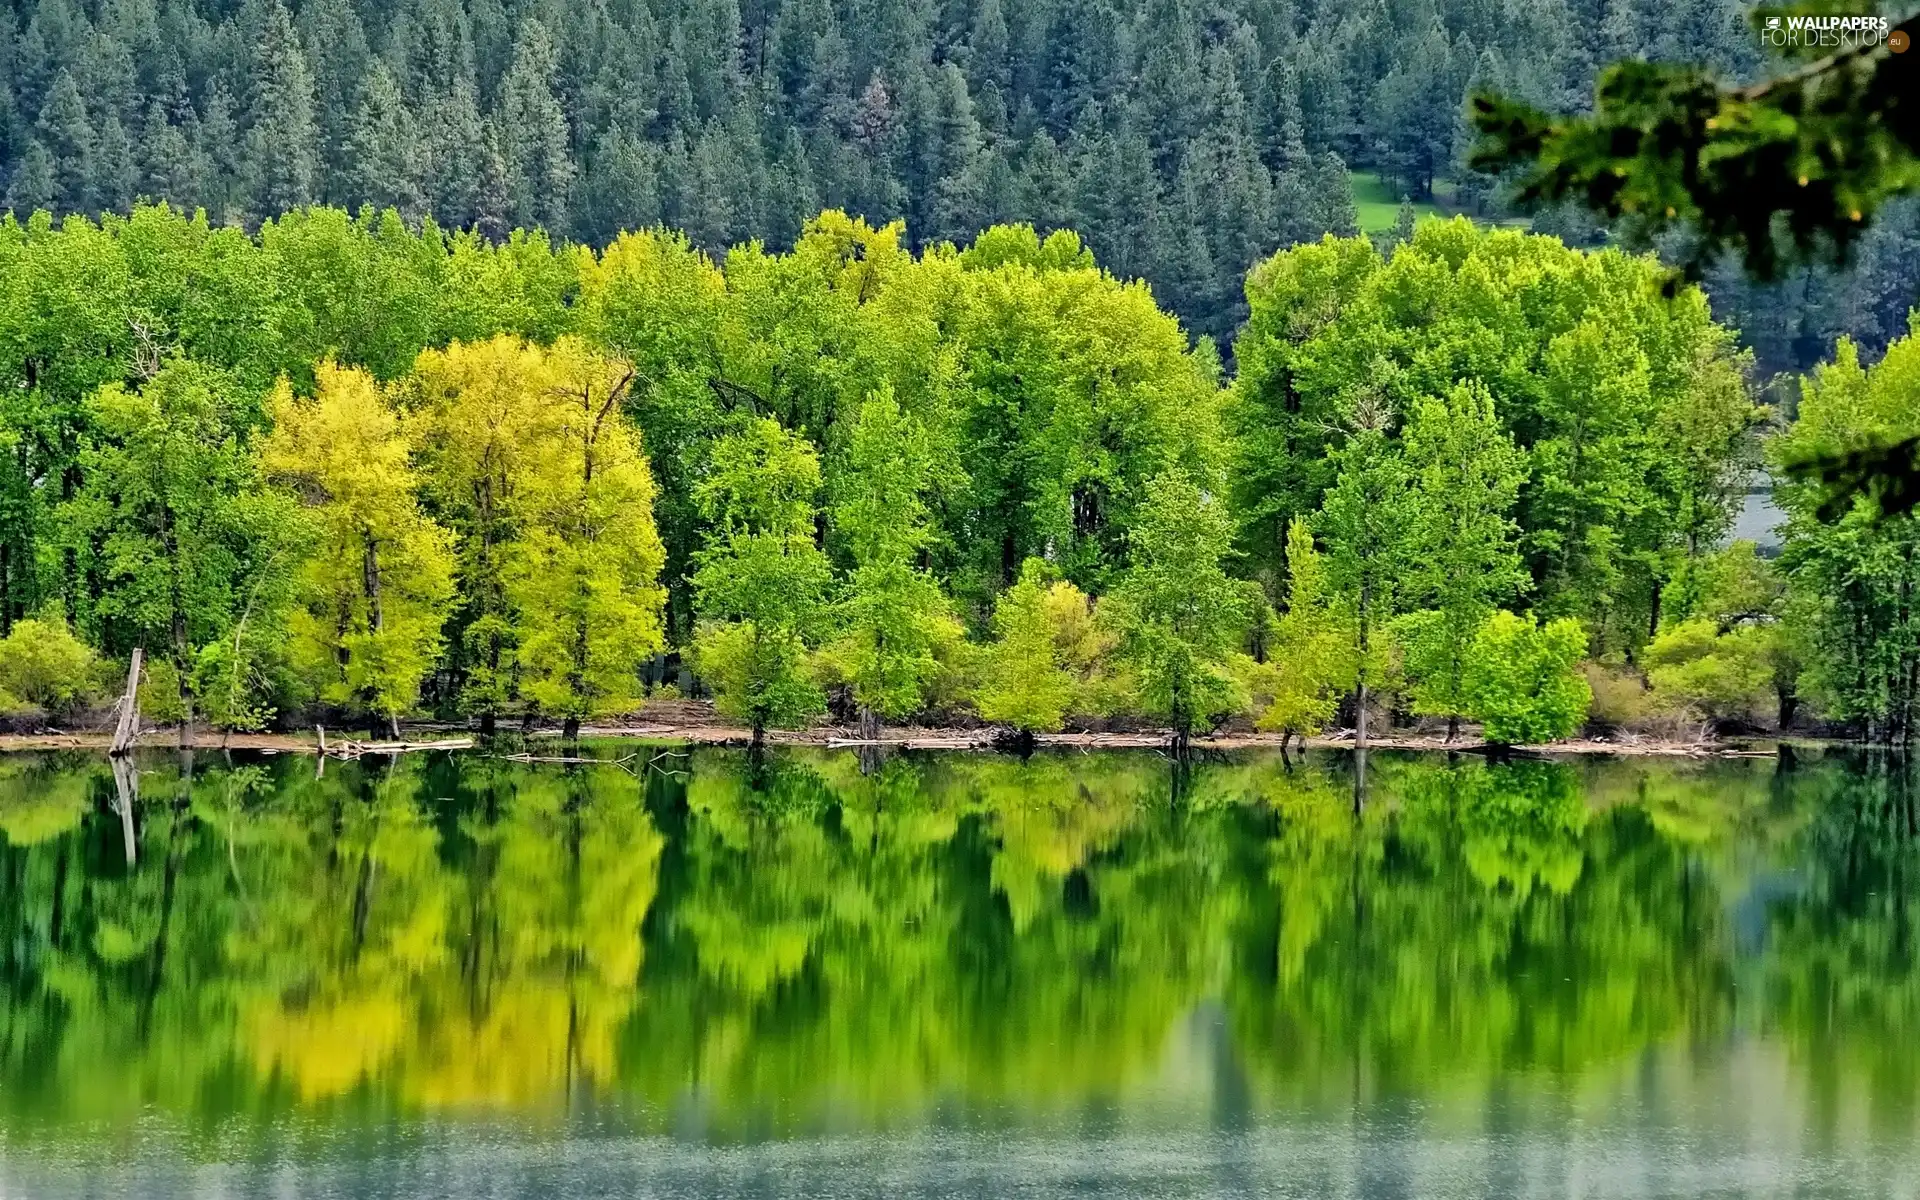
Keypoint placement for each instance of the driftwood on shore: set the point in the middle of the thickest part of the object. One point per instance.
(351, 749)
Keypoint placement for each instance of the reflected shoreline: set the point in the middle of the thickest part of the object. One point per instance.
(822, 945)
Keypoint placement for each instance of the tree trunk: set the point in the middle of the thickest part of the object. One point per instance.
(1360, 709)
(128, 727)
(869, 724)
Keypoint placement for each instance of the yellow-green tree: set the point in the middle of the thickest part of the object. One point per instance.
(1311, 664)
(480, 415)
(585, 576)
(1048, 657)
(379, 583)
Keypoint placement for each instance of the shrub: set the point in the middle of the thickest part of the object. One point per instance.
(1695, 667)
(43, 664)
(1620, 696)
(1522, 680)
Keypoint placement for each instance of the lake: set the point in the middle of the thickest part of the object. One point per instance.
(684, 973)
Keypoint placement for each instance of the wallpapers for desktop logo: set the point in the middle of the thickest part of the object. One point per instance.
(1830, 33)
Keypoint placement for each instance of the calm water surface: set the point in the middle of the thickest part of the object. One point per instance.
(959, 975)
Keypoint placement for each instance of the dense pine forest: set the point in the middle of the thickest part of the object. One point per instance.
(1182, 141)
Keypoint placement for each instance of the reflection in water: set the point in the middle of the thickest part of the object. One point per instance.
(1664, 962)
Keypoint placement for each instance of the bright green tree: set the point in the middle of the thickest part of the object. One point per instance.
(1523, 682)
(1311, 660)
(189, 549)
(760, 583)
(1025, 683)
(895, 619)
(1177, 616)
(1465, 545)
(1367, 521)
(1853, 568)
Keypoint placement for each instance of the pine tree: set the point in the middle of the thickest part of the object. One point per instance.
(33, 185)
(533, 136)
(169, 166)
(622, 188)
(383, 147)
(282, 137)
(334, 43)
(67, 135)
(219, 148)
(115, 177)
(455, 152)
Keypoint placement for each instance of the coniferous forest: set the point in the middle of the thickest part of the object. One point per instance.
(901, 361)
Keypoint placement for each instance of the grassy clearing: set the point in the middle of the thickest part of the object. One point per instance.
(1377, 204)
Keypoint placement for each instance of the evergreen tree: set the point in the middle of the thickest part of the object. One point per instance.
(383, 147)
(67, 135)
(533, 137)
(33, 185)
(282, 136)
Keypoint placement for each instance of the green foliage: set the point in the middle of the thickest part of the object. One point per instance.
(43, 664)
(1850, 573)
(1465, 552)
(1628, 407)
(187, 546)
(1811, 156)
(1368, 521)
(895, 620)
(1522, 681)
(379, 582)
(1311, 661)
(760, 584)
(1695, 667)
(1048, 659)
(1177, 616)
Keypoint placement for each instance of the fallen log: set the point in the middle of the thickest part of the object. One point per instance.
(356, 749)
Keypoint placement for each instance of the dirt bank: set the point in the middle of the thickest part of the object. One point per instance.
(688, 722)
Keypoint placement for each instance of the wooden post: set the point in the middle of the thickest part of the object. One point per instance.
(129, 726)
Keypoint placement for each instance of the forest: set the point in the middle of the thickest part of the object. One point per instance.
(1182, 142)
(349, 469)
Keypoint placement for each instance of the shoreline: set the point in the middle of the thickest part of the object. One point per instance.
(703, 733)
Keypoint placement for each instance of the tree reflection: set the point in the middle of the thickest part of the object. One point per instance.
(810, 938)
